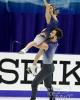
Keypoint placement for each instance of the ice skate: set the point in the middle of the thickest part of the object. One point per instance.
(32, 69)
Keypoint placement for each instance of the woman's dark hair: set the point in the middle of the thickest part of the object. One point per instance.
(59, 33)
(54, 9)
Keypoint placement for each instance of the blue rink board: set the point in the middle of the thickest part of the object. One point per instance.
(63, 94)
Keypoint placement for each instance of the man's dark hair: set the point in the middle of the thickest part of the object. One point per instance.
(59, 33)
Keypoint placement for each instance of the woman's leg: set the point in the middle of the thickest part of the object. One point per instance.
(38, 42)
(28, 46)
(43, 46)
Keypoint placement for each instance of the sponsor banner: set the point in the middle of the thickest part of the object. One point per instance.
(16, 81)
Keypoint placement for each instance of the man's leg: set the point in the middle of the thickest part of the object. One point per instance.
(48, 84)
(45, 71)
(32, 68)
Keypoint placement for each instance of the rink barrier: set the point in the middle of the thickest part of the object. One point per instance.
(15, 81)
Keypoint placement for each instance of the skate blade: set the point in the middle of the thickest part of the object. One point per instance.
(29, 71)
(20, 52)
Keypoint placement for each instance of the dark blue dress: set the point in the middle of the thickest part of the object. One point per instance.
(51, 26)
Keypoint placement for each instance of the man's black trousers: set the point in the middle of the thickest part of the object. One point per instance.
(44, 75)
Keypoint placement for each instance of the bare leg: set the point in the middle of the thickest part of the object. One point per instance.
(43, 46)
(38, 55)
(31, 44)
(28, 46)
(32, 68)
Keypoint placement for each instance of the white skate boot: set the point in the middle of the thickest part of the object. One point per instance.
(32, 69)
(23, 51)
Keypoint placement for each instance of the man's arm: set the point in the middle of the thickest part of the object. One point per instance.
(38, 55)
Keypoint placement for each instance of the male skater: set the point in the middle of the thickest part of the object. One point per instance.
(47, 67)
(54, 36)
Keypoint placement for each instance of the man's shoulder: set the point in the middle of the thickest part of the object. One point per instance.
(53, 44)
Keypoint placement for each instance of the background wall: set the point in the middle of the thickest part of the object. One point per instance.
(22, 20)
